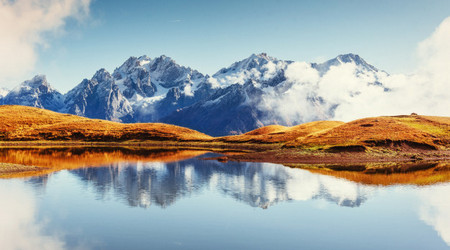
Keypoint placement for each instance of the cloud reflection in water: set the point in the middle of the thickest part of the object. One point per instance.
(435, 209)
(19, 227)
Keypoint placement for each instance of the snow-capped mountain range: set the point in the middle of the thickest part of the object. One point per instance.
(248, 94)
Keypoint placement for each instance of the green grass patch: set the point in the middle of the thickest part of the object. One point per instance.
(442, 130)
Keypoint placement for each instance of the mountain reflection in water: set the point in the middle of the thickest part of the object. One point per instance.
(191, 203)
(257, 184)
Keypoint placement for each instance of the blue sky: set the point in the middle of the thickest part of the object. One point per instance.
(209, 35)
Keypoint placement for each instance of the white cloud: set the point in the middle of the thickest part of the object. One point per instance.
(353, 91)
(290, 100)
(434, 53)
(270, 69)
(23, 24)
(424, 92)
(302, 72)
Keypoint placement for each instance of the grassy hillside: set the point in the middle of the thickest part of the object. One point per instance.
(20, 123)
(407, 132)
(412, 132)
(280, 134)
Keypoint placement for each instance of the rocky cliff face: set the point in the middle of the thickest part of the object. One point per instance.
(156, 87)
(98, 98)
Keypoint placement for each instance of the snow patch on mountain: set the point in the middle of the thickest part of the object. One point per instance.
(3, 92)
(259, 67)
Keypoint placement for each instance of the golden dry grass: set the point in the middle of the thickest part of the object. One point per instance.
(279, 134)
(267, 130)
(434, 125)
(415, 131)
(20, 123)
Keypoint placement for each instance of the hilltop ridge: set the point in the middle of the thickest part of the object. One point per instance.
(412, 132)
(21, 123)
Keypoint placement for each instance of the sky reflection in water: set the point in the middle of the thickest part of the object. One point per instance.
(192, 204)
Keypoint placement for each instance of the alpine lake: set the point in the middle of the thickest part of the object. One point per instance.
(176, 199)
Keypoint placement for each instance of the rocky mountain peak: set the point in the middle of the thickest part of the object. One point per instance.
(36, 92)
(37, 81)
(254, 61)
(102, 75)
(342, 59)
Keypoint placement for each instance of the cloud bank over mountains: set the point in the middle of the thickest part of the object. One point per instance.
(25, 24)
(425, 91)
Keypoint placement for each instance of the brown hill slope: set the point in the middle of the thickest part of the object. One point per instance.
(279, 134)
(267, 130)
(404, 132)
(20, 123)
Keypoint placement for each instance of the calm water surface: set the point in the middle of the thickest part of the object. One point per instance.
(198, 204)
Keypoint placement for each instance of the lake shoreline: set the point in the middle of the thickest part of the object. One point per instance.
(268, 153)
(285, 156)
